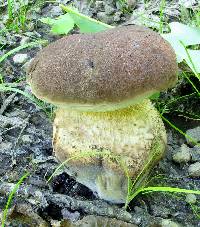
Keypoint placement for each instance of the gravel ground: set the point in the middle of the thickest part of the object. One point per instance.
(26, 132)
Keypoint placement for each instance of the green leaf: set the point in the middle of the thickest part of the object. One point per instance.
(47, 20)
(195, 56)
(179, 49)
(155, 96)
(65, 23)
(61, 25)
(85, 23)
(180, 37)
(187, 34)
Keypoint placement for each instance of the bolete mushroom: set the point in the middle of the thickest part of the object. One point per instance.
(101, 83)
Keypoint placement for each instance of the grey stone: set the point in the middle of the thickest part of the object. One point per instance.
(194, 134)
(194, 170)
(31, 26)
(33, 34)
(110, 2)
(5, 146)
(117, 16)
(17, 113)
(56, 11)
(73, 216)
(92, 220)
(20, 58)
(191, 198)
(169, 223)
(27, 139)
(183, 156)
(118, 5)
(99, 5)
(132, 3)
(105, 18)
(26, 65)
(24, 40)
(195, 154)
(187, 4)
(38, 10)
(109, 10)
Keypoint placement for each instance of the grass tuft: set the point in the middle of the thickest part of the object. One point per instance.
(21, 47)
(11, 196)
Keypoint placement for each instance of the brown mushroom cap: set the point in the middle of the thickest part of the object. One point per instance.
(103, 71)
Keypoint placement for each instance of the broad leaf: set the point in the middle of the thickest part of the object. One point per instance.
(85, 23)
(179, 49)
(188, 34)
(182, 36)
(47, 20)
(61, 25)
(195, 56)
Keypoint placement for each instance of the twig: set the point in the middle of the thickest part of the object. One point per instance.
(26, 121)
(7, 102)
(14, 121)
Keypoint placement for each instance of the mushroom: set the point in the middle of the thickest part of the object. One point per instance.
(101, 84)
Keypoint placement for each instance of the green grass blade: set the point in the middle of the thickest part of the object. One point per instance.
(13, 89)
(10, 198)
(32, 44)
(180, 131)
(195, 88)
(170, 102)
(162, 7)
(170, 189)
(189, 60)
(10, 9)
(79, 156)
(164, 189)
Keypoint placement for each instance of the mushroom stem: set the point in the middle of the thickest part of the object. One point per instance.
(134, 134)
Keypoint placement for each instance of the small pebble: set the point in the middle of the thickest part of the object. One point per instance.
(194, 134)
(194, 170)
(38, 10)
(169, 223)
(195, 154)
(187, 4)
(24, 40)
(99, 5)
(73, 216)
(55, 223)
(5, 146)
(20, 58)
(26, 65)
(92, 220)
(31, 26)
(56, 11)
(182, 156)
(117, 16)
(27, 139)
(109, 10)
(105, 18)
(110, 2)
(191, 198)
(131, 3)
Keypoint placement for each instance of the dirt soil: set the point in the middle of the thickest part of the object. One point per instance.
(25, 144)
